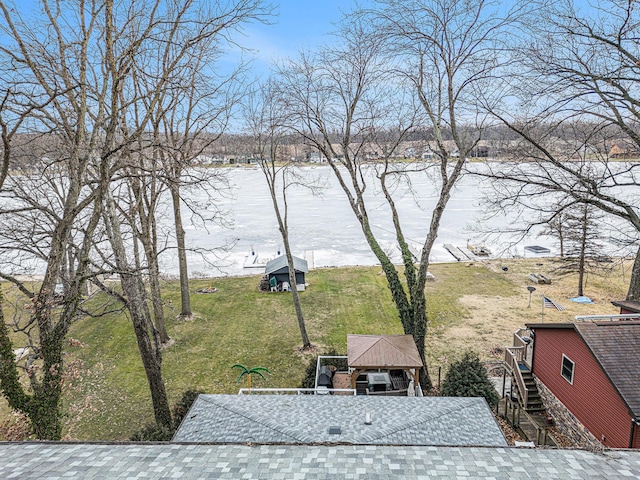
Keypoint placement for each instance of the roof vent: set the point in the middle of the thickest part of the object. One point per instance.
(335, 430)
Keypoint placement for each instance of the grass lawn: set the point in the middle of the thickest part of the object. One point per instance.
(476, 306)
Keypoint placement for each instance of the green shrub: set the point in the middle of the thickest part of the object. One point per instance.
(468, 378)
(155, 433)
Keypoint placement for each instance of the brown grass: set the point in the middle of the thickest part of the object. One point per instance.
(491, 319)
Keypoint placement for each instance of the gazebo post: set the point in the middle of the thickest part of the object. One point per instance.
(354, 377)
(416, 377)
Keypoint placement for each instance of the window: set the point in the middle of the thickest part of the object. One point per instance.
(567, 369)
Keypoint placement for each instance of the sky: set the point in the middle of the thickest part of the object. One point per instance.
(298, 25)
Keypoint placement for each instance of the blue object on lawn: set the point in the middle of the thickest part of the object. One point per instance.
(581, 300)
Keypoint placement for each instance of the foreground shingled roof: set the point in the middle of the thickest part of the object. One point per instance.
(129, 461)
(306, 419)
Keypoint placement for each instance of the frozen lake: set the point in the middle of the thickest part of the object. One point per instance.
(323, 229)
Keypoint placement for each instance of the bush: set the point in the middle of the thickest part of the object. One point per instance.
(181, 408)
(309, 380)
(155, 433)
(152, 433)
(468, 378)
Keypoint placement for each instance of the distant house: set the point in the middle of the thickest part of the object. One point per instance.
(409, 152)
(588, 375)
(336, 419)
(624, 150)
(480, 151)
(279, 269)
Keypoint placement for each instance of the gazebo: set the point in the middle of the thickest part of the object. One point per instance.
(384, 352)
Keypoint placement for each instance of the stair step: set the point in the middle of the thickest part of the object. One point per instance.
(535, 409)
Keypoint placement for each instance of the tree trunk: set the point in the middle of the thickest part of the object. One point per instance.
(284, 232)
(44, 411)
(583, 253)
(633, 294)
(42, 408)
(149, 347)
(146, 334)
(185, 296)
(306, 343)
(156, 294)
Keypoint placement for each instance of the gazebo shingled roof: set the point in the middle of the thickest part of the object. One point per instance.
(382, 351)
(369, 352)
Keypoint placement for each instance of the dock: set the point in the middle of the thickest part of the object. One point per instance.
(254, 261)
(457, 253)
(479, 250)
(537, 249)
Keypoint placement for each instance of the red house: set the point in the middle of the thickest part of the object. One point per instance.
(592, 369)
(627, 307)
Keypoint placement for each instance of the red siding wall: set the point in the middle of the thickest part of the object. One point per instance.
(636, 437)
(591, 398)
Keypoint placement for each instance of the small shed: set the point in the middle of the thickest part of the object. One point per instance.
(279, 268)
(385, 352)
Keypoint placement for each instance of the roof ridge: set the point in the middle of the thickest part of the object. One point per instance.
(365, 350)
(241, 412)
(427, 417)
(397, 348)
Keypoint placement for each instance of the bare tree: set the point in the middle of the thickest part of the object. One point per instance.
(580, 75)
(52, 216)
(79, 61)
(403, 66)
(265, 121)
(190, 119)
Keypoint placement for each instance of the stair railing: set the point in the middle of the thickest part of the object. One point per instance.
(512, 357)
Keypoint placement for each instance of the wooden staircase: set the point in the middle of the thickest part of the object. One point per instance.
(528, 395)
(533, 401)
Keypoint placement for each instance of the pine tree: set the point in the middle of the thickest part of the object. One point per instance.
(468, 378)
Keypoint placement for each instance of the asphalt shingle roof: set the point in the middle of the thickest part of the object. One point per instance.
(392, 351)
(299, 265)
(615, 346)
(136, 461)
(305, 419)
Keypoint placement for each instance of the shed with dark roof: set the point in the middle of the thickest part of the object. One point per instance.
(278, 268)
(593, 369)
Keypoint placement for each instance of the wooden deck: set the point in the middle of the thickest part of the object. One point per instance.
(341, 380)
